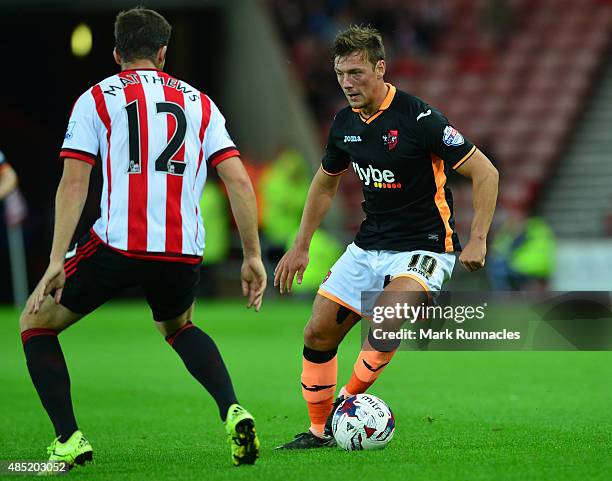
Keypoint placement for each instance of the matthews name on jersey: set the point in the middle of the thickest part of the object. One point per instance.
(156, 137)
(402, 155)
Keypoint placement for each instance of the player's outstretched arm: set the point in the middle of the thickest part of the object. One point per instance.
(69, 201)
(8, 180)
(322, 191)
(485, 180)
(244, 208)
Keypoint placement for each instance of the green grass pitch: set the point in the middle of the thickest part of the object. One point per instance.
(460, 415)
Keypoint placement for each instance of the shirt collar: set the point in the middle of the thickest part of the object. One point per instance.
(387, 100)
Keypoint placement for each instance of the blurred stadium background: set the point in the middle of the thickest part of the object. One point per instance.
(529, 81)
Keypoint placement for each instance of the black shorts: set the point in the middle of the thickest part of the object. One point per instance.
(96, 273)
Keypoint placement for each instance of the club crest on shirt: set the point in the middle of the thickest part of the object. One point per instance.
(390, 139)
(452, 137)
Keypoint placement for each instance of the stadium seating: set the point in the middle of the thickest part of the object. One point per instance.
(515, 92)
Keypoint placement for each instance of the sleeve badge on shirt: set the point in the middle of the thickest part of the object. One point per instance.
(69, 131)
(390, 139)
(452, 137)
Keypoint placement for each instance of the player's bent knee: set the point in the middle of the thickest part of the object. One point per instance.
(168, 328)
(32, 321)
(50, 316)
(319, 338)
(171, 326)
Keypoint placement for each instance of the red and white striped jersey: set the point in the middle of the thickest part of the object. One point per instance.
(157, 137)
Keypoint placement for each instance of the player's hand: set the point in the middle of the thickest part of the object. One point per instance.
(253, 277)
(293, 262)
(53, 279)
(473, 255)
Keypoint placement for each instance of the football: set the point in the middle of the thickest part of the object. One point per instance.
(363, 422)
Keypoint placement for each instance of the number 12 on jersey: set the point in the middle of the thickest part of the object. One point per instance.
(164, 162)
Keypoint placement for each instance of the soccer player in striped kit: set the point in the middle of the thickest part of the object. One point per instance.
(157, 137)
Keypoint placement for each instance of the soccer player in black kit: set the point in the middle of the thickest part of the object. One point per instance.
(402, 149)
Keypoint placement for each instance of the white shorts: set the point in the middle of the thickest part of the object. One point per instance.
(359, 270)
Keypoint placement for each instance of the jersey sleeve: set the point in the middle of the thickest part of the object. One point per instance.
(335, 161)
(440, 138)
(81, 138)
(218, 145)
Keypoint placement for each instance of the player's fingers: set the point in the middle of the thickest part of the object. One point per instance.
(258, 303)
(277, 273)
(35, 304)
(41, 297)
(30, 305)
(257, 297)
(475, 265)
(245, 287)
(300, 274)
(58, 295)
(290, 280)
(260, 293)
(283, 280)
(49, 286)
(252, 294)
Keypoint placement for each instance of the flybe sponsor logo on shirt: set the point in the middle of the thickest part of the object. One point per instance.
(381, 179)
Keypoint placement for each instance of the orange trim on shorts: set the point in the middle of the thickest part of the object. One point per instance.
(337, 300)
(416, 278)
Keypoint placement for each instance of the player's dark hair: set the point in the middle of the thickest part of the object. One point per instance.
(359, 38)
(140, 33)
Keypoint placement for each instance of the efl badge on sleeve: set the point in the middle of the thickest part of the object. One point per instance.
(390, 139)
(70, 130)
(452, 137)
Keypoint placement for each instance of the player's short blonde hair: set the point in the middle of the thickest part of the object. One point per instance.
(359, 38)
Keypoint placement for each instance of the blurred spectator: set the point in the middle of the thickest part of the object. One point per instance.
(15, 212)
(215, 214)
(283, 188)
(8, 178)
(523, 254)
(214, 211)
(308, 29)
(497, 20)
(430, 21)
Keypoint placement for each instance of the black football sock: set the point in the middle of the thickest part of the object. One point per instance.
(49, 374)
(203, 360)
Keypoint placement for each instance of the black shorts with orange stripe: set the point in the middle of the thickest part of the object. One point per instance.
(96, 273)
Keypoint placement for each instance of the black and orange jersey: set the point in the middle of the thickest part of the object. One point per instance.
(402, 155)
